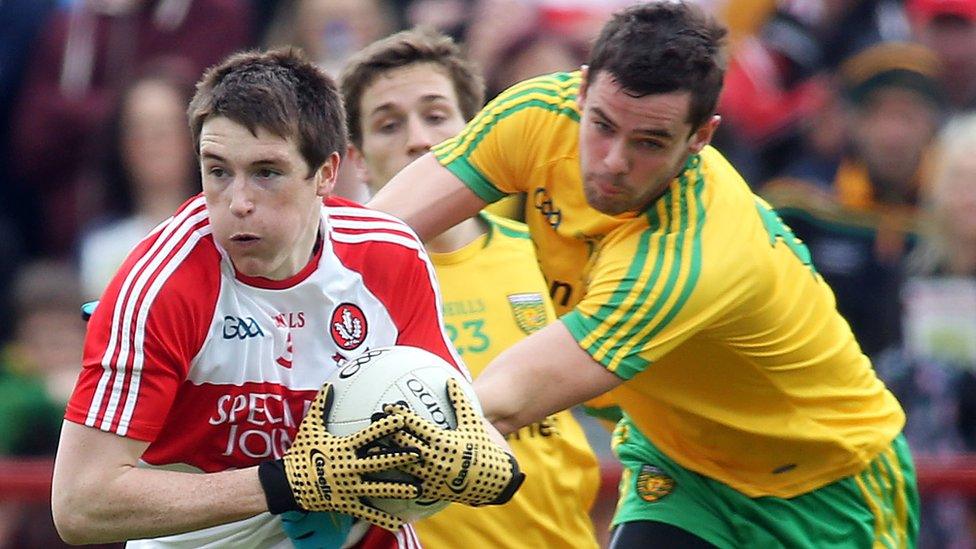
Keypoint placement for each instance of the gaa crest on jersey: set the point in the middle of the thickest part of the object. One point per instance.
(348, 326)
(529, 310)
(653, 483)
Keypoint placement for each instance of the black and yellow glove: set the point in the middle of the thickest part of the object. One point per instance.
(324, 472)
(462, 464)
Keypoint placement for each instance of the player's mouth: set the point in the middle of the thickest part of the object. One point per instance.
(607, 187)
(244, 239)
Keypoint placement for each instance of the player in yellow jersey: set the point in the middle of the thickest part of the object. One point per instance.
(404, 94)
(751, 417)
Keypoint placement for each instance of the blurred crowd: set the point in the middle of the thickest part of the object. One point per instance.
(856, 119)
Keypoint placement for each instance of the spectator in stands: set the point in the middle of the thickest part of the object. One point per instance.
(948, 27)
(147, 172)
(37, 373)
(86, 52)
(859, 225)
(329, 31)
(933, 373)
(846, 27)
(38, 368)
(22, 19)
(774, 86)
(533, 54)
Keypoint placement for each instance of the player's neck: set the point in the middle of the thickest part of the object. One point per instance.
(458, 236)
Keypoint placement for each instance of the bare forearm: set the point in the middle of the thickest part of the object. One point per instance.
(544, 373)
(507, 407)
(144, 503)
(428, 197)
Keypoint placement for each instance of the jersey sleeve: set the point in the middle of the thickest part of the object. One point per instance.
(150, 323)
(639, 302)
(396, 269)
(496, 151)
(418, 311)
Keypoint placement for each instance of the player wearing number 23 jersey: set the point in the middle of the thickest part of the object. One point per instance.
(494, 296)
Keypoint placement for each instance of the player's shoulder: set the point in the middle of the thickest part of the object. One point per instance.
(552, 95)
(177, 263)
(183, 241)
(356, 229)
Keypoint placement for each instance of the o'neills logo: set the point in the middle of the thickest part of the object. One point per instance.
(460, 482)
(318, 461)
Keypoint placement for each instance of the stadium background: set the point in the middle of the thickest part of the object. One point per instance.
(851, 116)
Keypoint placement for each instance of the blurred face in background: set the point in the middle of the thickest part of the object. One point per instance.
(331, 30)
(891, 132)
(156, 139)
(955, 199)
(405, 112)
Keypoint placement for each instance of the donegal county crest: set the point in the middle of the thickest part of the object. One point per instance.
(653, 483)
(529, 310)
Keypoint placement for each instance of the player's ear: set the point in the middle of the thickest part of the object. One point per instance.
(355, 156)
(703, 135)
(325, 176)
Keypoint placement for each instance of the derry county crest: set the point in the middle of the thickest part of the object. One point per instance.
(529, 310)
(348, 326)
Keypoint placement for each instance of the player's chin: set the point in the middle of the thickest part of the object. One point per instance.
(251, 265)
(604, 204)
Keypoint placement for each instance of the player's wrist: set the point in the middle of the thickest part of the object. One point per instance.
(277, 490)
(518, 477)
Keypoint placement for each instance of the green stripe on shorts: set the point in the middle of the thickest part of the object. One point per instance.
(875, 508)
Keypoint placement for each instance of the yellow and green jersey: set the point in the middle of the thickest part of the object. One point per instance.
(737, 364)
(494, 295)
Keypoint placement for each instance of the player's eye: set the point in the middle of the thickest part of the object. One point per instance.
(649, 145)
(389, 127)
(266, 173)
(436, 118)
(217, 171)
(602, 127)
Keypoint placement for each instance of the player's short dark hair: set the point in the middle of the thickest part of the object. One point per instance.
(662, 47)
(419, 45)
(280, 91)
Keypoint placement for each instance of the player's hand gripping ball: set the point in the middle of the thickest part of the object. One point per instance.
(459, 464)
(408, 375)
(325, 472)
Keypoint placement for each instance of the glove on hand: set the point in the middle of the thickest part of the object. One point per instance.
(462, 464)
(324, 472)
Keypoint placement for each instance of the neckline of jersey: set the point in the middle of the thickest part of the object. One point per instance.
(463, 253)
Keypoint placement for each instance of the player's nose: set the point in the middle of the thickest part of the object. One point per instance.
(241, 199)
(420, 137)
(616, 158)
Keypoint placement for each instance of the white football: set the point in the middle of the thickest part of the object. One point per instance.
(392, 374)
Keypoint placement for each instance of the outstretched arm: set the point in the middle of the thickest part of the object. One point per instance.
(540, 375)
(428, 197)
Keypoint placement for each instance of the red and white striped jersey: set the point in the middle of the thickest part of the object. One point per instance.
(216, 369)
